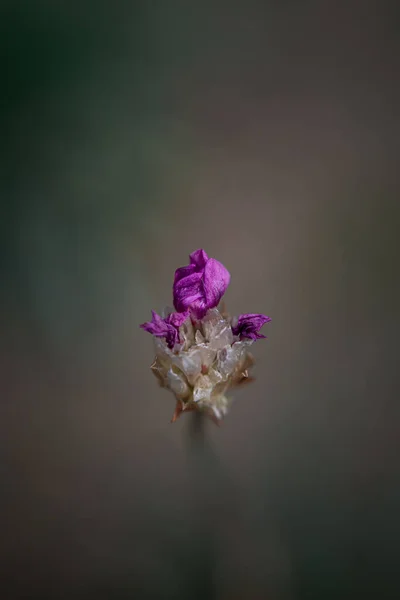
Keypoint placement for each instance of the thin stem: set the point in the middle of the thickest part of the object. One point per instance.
(197, 431)
(202, 471)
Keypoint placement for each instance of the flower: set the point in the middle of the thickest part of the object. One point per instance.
(167, 328)
(201, 285)
(201, 352)
(248, 326)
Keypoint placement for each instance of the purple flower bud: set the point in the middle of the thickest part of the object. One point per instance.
(248, 326)
(167, 328)
(200, 285)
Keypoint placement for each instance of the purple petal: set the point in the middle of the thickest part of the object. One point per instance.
(187, 291)
(184, 272)
(166, 328)
(216, 280)
(248, 326)
(199, 258)
(200, 285)
(177, 319)
(156, 326)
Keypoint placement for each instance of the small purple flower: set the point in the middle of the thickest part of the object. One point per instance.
(248, 326)
(210, 351)
(167, 328)
(200, 285)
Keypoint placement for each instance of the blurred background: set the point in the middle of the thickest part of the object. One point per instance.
(131, 134)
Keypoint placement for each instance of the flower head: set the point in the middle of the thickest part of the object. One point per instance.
(202, 353)
(201, 285)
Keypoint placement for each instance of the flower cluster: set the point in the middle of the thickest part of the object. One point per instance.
(201, 352)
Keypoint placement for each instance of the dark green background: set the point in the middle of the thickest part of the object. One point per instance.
(131, 134)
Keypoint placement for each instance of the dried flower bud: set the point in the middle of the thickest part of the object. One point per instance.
(200, 285)
(167, 328)
(248, 326)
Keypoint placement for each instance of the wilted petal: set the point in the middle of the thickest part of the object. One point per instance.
(248, 326)
(188, 290)
(167, 328)
(184, 272)
(216, 280)
(200, 285)
(199, 258)
(177, 319)
(157, 326)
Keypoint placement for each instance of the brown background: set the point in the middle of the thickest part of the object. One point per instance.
(268, 134)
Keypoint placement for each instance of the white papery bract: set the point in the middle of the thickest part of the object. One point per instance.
(207, 362)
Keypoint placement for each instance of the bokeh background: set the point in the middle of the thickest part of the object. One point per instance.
(133, 133)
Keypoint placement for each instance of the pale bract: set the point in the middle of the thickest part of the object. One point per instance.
(201, 369)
